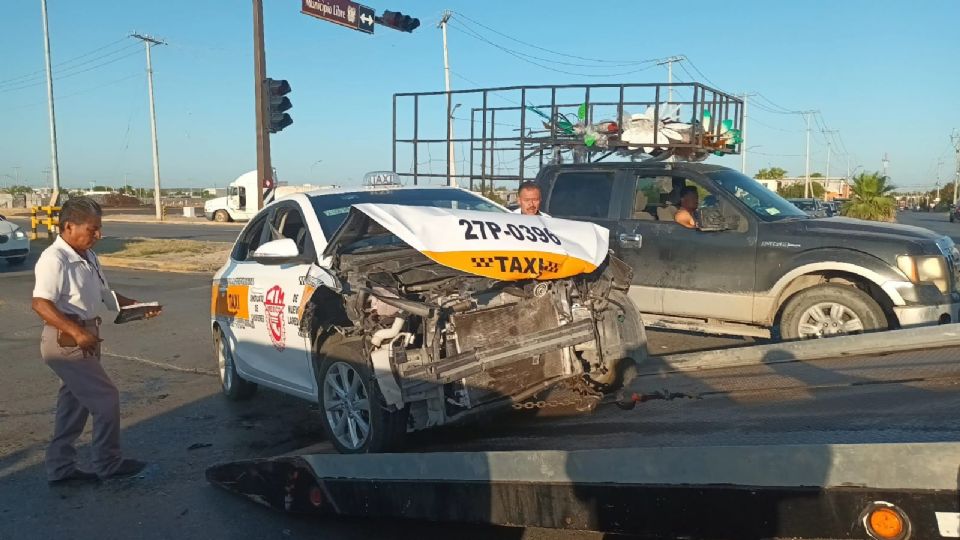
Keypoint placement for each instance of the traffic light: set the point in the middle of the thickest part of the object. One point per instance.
(398, 21)
(279, 103)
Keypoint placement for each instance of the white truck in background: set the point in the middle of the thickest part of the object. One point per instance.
(240, 204)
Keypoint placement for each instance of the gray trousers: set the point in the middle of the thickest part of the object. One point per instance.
(86, 390)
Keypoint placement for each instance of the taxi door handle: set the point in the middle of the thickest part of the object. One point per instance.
(631, 240)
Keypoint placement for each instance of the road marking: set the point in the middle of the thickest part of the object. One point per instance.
(162, 365)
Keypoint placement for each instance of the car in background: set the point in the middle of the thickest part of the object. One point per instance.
(14, 243)
(832, 207)
(812, 207)
(397, 309)
(954, 213)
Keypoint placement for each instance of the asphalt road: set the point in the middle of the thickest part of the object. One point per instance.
(170, 402)
(202, 230)
(938, 222)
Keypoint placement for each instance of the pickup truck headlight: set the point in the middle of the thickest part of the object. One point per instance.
(926, 269)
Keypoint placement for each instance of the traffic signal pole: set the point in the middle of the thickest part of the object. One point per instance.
(264, 168)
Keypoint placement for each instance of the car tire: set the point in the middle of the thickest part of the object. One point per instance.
(829, 310)
(952, 218)
(234, 387)
(345, 379)
(16, 261)
(221, 216)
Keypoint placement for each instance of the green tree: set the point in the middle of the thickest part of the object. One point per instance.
(870, 198)
(796, 191)
(773, 173)
(18, 190)
(816, 175)
(101, 188)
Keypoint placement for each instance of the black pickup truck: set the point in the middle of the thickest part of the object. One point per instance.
(756, 265)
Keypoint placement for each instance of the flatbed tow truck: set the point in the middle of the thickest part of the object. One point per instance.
(611, 481)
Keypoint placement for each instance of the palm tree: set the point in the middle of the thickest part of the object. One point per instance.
(870, 198)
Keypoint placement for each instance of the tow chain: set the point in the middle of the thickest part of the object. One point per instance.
(584, 398)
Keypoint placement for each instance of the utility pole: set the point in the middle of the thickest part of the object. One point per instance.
(743, 136)
(54, 161)
(451, 157)
(149, 42)
(826, 136)
(264, 167)
(955, 139)
(806, 174)
(939, 166)
(669, 63)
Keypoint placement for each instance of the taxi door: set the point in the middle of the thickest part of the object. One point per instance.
(278, 351)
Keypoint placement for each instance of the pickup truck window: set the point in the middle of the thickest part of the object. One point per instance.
(582, 194)
(767, 205)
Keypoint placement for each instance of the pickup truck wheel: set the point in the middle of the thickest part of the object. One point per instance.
(232, 386)
(353, 413)
(830, 310)
(221, 216)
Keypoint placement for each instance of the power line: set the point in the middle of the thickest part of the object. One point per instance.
(695, 68)
(71, 74)
(73, 94)
(526, 58)
(65, 62)
(612, 63)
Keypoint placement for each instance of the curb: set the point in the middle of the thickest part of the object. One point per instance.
(148, 264)
(928, 337)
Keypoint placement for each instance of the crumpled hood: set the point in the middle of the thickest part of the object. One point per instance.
(501, 246)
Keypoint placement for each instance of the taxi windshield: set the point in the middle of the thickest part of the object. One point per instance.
(332, 209)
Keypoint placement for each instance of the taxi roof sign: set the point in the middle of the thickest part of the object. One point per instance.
(381, 178)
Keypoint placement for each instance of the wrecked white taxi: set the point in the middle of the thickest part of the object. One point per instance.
(416, 316)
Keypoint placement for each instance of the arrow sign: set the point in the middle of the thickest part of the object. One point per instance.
(366, 19)
(342, 12)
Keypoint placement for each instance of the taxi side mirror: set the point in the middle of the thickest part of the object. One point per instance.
(279, 251)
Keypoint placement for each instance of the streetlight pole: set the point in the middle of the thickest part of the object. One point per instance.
(806, 174)
(451, 157)
(54, 161)
(149, 42)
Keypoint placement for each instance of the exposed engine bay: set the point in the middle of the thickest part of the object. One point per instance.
(445, 345)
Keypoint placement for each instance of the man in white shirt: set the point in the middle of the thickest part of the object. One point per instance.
(528, 198)
(70, 291)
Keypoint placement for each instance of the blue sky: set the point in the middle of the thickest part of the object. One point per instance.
(881, 73)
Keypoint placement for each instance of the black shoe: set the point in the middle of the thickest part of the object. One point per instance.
(128, 468)
(76, 477)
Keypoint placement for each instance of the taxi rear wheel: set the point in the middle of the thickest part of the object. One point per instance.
(232, 386)
(354, 416)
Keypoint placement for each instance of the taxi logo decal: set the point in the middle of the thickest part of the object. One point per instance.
(517, 265)
(273, 305)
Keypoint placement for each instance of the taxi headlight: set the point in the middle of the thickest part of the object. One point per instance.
(926, 269)
(18, 234)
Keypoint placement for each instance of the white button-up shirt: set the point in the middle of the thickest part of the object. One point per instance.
(73, 283)
(518, 211)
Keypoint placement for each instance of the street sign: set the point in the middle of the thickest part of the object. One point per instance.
(343, 12)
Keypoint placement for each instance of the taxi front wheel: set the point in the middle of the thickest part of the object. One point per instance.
(232, 386)
(352, 409)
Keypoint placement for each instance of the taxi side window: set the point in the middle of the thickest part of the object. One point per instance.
(288, 223)
(250, 240)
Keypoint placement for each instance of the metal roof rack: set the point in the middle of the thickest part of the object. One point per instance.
(511, 132)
